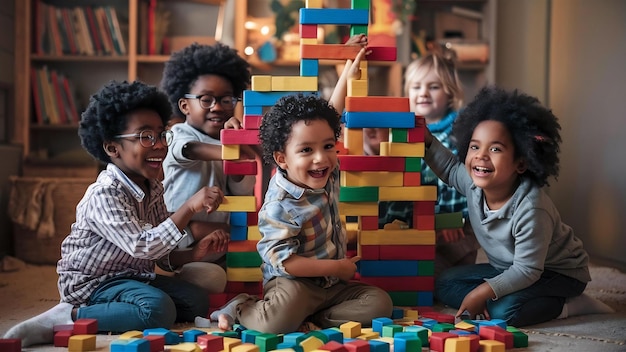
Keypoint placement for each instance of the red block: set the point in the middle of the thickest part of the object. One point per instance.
(85, 327)
(253, 218)
(410, 179)
(308, 31)
(233, 288)
(496, 333)
(11, 345)
(357, 346)
(211, 343)
(329, 51)
(407, 252)
(438, 340)
(333, 346)
(416, 134)
(370, 252)
(424, 222)
(402, 283)
(371, 163)
(382, 53)
(369, 223)
(439, 317)
(240, 167)
(372, 103)
(424, 207)
(62, 338)
(252, 122)
(218, 299)
(157, 342)
(247, 137)
(242, 246)
(341, 150)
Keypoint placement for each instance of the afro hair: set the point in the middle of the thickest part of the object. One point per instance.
(186, 65)
(105, 116)
(534, 129)
(277, 122)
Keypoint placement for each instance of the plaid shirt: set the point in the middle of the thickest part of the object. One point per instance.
(119, 232)
(296, 220)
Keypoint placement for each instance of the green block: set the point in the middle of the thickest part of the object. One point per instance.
(318, 335)
(268, 342)
(360, 4)
(401, 298)
(425, 268)
(243, 260)
(449, 221)
(358, 29)
(399, 135)
(358, 194)
(391, 329)
(520, 339)
(443, 327)
(413, 164)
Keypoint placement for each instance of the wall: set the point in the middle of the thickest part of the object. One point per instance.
(571, 54)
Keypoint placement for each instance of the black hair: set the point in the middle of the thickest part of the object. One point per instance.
(186, 65)
(105, 116)
(277, 121)
(534, 129)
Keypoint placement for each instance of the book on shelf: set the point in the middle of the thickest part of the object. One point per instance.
(72, 101)
(105, 31)
(54, 101)
(58, 98)
(48, 96)
(69, 30)
(116, 31)
(38, 102)
(54, 35)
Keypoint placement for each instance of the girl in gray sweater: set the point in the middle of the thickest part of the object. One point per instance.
(508, 146)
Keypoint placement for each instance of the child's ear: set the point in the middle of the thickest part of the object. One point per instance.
(521, 166)
(110, 149)
(279, 158)
(183, 105)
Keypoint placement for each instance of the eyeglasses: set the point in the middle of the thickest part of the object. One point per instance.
(147, 138)
(208, 101)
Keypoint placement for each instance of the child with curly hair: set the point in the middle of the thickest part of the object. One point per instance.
(508, 148)
(106, 270)
(303, 246)
(204, 83)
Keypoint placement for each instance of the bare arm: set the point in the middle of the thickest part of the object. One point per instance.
(350, 71)
(311, 267)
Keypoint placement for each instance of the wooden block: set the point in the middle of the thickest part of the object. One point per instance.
(80, 343)
(388, 268)
(308, 31)
(329, 51)
(360, 4)
(246, 347)
(211, 343)
(375, 103)
(253, 233)
(238, 233)
(252, 122)
(242, 246)
(491, 346)
(413, 164)
(132, 334)
(231, 152)
(385, 119)
(230, 343)
(62, 338)
(438, 340)
(357, 88)
(350, 329)
(294, 83)
(85, 327)
(407, 252)
(308, 41)
(244, 274)
(11, 345)
(456, 344)
(368, 222)
(412, 179)
(381, 53)
(397, 237)
(423, 222)
(169, 337)
(424, 207)
(358, 194)
(334, 16)
(371, 163)
(496, 333)
(309, 67)
(238, 203)
(356, 29)
(371, 252)
(406, 342)
(415, 134)
(402, 149)
(353, 140)
(252, 98)
(371, 178)
(398, 135)
(358, 209)
(408, 283)
(240, 167)
(247, 137)
(333, 346)
(261, 83)
(243, 259)
(417, 193)
(314, 4)
(252, 109)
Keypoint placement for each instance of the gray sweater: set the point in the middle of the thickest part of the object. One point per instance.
(524, 237)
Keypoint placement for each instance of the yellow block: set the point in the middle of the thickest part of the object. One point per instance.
(491, 346)
(414, 193)
(310, 344)
(411, 313)
(358, 208)
(357, 88)
(456, 344)
(294, 83)
(368, 335)
(244, 274)
(132, 334)
(262, 83)
(371, 178)
(352, 232)
(314, 4)
(80, 343)
(230, 343)
(230, 152)
(402, 149)
(408, 237)
(238, 203)
(246, 347)
(254, 233)
(184, 347)
(463, 325)
(307, 41)
(353, 140)
(351, 329)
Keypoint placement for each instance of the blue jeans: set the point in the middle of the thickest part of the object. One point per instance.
(540, 302)
(126, 304)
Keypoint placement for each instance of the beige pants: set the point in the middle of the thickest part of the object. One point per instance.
(287, 303)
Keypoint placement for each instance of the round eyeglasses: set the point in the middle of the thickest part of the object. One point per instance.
(208, 101)
(148, 138)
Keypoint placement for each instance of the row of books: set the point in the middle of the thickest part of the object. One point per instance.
(54, 98)
(82, 30)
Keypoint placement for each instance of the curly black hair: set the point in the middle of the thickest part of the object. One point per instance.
(277, 121)
(105, 116)
(186, 65)
(534, 129)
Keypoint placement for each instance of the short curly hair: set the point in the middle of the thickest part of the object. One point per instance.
(105, 116)
(534, 129)
(186, 65)
(277, 122)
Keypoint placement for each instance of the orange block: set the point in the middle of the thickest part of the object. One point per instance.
(329, 51)
(387, 104)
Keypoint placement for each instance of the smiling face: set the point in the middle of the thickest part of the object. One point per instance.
(427, 96)
(310, 155)
(492, 164)
(136, 161)
(210, 121)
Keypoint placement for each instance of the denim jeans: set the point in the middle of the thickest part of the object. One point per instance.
(125, 304)
(540, 302)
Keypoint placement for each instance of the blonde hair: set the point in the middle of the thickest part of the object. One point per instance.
(445, 69)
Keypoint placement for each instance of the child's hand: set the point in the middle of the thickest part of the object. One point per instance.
(216, 241)
(207, 199)
(475, 302)
(450, 235)
(346, 268)
(233, 124)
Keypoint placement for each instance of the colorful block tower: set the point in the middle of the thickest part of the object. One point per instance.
(399, 260)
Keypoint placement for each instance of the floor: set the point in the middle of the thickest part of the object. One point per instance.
(32, 289)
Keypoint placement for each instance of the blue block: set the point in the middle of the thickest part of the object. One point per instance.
(386, 119)
(428, 323)
(424, 298)
(397, 313)
(378, 323)
(130, 345)
(253, 98)
(421, 332)
(170, 337)
(379, 346)
(238, 233)
(388, 267)
(253, 110)
(309, 67)
(333, 334)
(191, 335)
(292, 338)
(334, 16)
(239, 218)
(406, 342)
(249, 336)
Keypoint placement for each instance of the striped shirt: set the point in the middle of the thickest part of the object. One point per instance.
(119, 232)
(296, 220)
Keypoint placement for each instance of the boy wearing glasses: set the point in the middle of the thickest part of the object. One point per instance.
(106, 271)
(204, 84)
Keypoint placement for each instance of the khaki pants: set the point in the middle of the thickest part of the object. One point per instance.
(287, 303)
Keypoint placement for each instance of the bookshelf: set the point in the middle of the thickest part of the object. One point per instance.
(43, 40)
